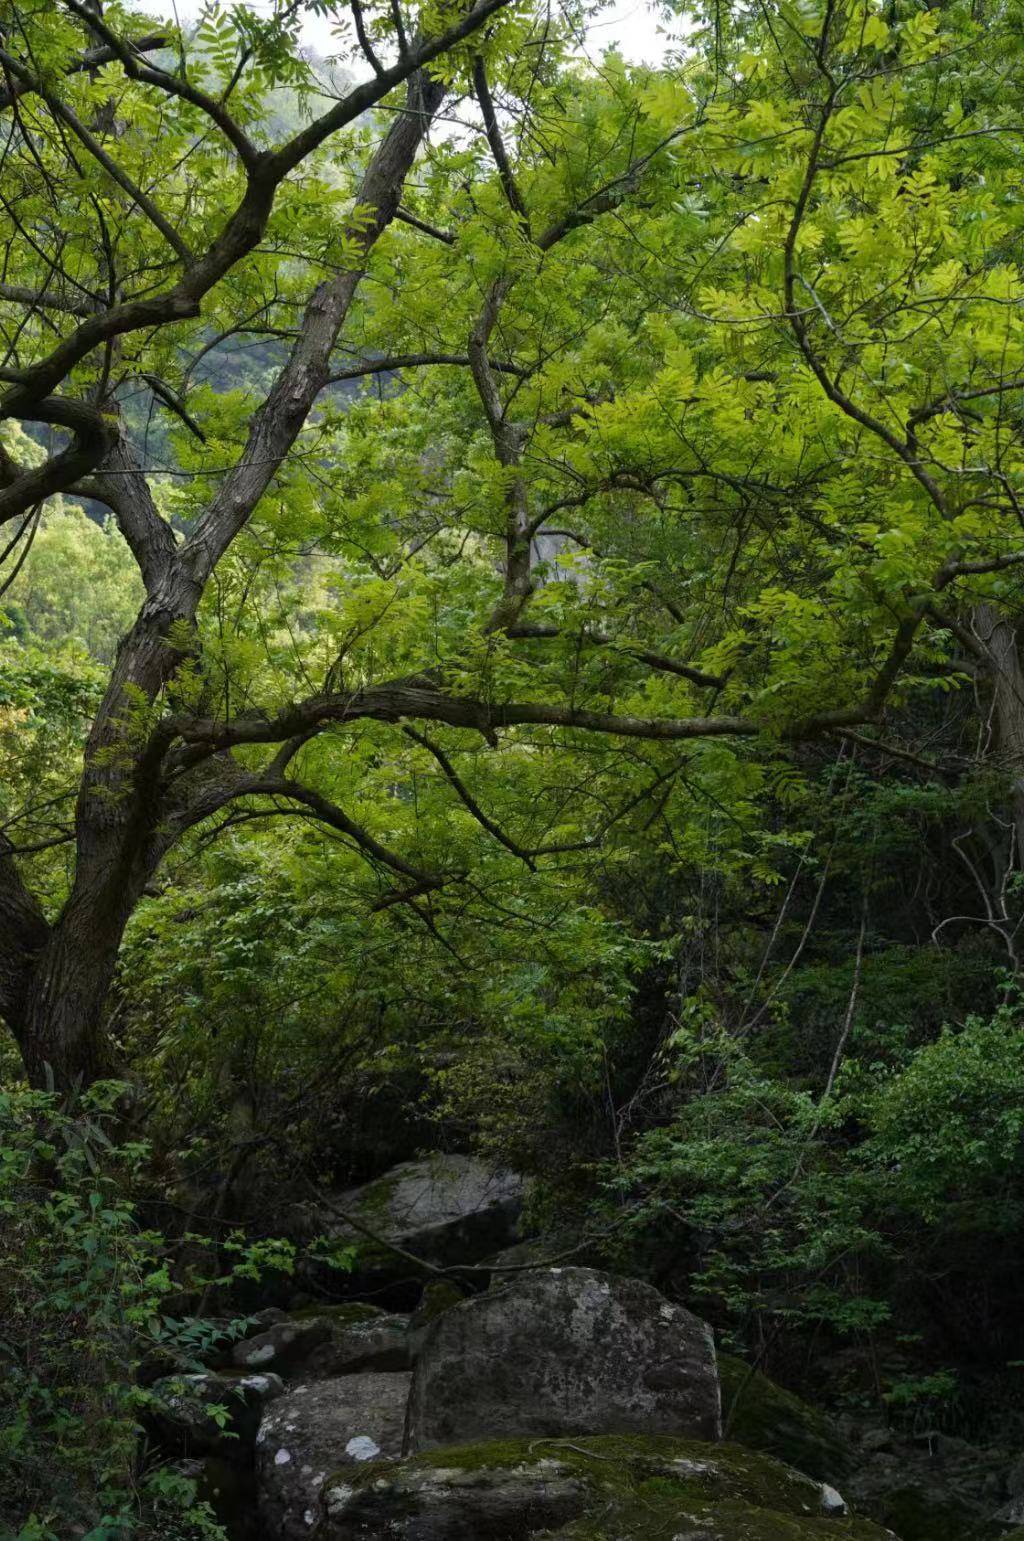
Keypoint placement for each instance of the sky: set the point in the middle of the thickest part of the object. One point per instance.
(633, 26)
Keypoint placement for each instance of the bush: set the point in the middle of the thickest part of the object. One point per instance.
(80, 1289)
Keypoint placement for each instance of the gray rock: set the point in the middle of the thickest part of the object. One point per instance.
(180, 1413)
(567, 1351)
(316, 1429)
(452, 1504)
(383, 1343)
(605, 1488)
(283, 1346)
(445, 1208)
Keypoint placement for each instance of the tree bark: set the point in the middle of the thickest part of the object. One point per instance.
(999, 637)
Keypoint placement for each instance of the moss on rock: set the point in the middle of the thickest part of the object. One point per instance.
(617, 1488)
(761, 1415)
(438, 1296)
(345, 1313)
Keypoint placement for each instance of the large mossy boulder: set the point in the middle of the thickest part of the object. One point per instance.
(564, 1351)
(316, 1428)
(607, 1488)
(761, 1415)
(444, 1208)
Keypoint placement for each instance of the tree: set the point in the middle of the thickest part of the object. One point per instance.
(706, 430)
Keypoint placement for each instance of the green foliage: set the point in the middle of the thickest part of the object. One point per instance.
(758, 351)
(949, 1127)
(97, 609)
(81, 1286)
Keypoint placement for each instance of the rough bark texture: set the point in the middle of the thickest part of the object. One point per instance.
(999, 636)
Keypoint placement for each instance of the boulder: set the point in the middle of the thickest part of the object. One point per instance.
(446, 1209)
(605, 1488)
(319, 1427)
(181, 1412)
(761, 1415)
(382, 1343)
(565, 1351)
(284, 1346)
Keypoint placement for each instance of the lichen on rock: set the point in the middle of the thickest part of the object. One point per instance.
(601, 1488)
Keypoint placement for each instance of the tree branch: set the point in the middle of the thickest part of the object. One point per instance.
(660, 661)
(91, 143)
(483, 95)
(172, 85)
(418, 697)
(92, 59)
(279, 421)
(416, 361)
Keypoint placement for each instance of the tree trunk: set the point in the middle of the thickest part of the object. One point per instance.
(55, 980)
(999, 636)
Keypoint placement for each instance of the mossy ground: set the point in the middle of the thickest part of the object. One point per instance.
(649, 1487)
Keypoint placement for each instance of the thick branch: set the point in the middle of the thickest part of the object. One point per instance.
(120, 483)
(497, 144)
(41, 299)
(126, 53)
(279, 421)
(92, 59)
(419, 697)
(93, 434)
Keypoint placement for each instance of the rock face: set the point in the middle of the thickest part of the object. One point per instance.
(609, 1488)
(181, 1415)
(315, 1429)
(382, 1343)
(444, 1208)
(567, 1351)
